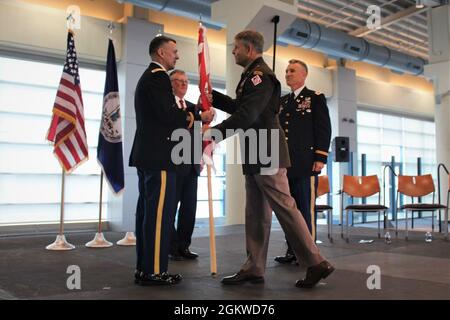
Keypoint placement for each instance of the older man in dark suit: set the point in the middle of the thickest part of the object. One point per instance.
(187, 180)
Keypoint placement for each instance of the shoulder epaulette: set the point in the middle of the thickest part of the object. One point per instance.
(158, 69)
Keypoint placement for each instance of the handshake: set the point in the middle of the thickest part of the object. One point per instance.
(208, 116)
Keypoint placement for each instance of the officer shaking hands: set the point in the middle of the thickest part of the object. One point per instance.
(157, 116)
(306, 123)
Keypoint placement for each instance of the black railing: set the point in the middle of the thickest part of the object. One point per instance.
(441, 165)
(392, 205)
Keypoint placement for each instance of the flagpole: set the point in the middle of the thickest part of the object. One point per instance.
(61, 242)
(212, 236)
(99, 240)
(61, 218)
(100, 202)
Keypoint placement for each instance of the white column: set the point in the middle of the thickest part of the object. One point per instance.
(439, 70)
(137, 35)
(343, 111)
(238, 15)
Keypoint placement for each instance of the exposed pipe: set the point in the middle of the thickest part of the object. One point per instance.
(339, 44)
(192, 9)
(305, 34)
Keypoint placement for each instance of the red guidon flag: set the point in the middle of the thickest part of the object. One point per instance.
(67, 127)
(204, 86)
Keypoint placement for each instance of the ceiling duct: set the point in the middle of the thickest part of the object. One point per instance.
(305, 34)
(336, 43)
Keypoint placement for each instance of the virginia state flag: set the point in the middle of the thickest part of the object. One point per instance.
(109, 149)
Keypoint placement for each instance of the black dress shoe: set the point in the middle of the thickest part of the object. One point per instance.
(176, 256)
(286, 259)
(242, 277)
(188, 254)
(137, 276)
(314, 274)
(159, 279)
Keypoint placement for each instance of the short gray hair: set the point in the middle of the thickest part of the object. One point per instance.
(252, 37)
(177, 71)
(300, 62)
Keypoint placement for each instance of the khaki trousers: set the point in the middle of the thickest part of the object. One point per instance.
(265, 193)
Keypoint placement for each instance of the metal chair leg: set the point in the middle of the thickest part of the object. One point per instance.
(346, 230)
(446, 224)
(432, 221)
(328, 223)
(331, 224)
(440, 222)
(342, 224)
(379, 225)
(396, 226)
(406, 224)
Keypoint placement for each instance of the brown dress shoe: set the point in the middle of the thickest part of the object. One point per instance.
(314, 274)
(241, 277)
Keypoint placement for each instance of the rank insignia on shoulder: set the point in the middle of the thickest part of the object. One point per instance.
(158, 69)
(256, 80)
(258, 73)
(318, 92)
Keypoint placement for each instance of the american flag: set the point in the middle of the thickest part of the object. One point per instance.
(67, 127)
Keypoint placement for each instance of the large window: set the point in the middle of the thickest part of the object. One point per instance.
(30, 175)
(383, 136)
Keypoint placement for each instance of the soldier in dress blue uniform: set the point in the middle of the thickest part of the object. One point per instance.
(187, 181)
(306, 123)
(157, 116)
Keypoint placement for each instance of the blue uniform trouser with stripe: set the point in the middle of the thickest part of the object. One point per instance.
(154, 215)
(304, 190)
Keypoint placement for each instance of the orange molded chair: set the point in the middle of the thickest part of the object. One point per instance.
(417, 186)
(323, 187)
(361, 187)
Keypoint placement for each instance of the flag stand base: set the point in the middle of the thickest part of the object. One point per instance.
(99, 242)
(128, 240)
(60, 244)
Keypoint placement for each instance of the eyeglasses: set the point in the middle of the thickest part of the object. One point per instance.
(181, 81)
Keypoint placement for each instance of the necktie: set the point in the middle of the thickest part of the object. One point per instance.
(292, 97)
(182, 104)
